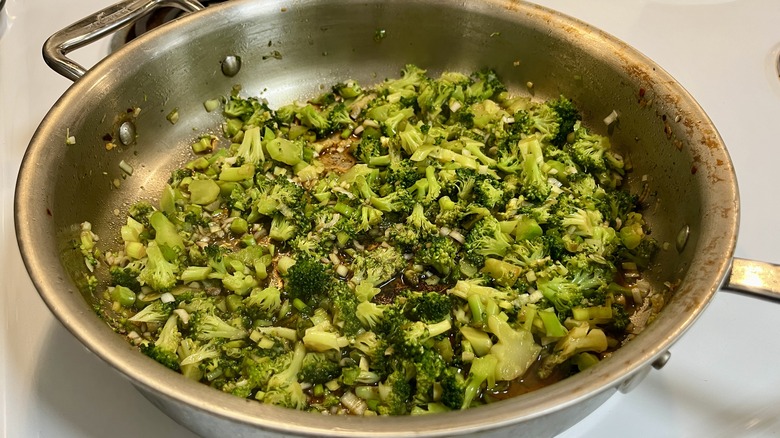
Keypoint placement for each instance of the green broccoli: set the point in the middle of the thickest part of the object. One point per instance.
(163, 349)
(307, 279)
(395, 393)
(267, 301)
(428, 307)
(126, 276)
(515, 350)
(140, 211)
(579, 339)
(319, 368)
(158, 273)
(485, 239)
(312, 118)
(282, 229)
(251, 149)
(155, 312)
(485, 84)
(207, 326)
(285, 259)
(345, 313)
(534, 178)
(453, 386)
(482, 371)
(371, 151)
(284, 389)
(378, 265)
(440, 253)
(568, 115)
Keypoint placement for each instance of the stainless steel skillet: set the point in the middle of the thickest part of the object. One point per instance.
(667, 135)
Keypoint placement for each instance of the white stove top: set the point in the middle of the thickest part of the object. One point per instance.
(723, 376)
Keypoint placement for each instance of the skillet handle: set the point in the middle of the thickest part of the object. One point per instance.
(98, 25)
(757, 279)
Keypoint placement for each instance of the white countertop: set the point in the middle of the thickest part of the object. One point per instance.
(724, 374)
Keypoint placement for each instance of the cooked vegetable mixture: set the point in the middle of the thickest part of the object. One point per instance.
(423, 245)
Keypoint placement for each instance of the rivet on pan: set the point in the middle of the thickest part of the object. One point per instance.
(231, 65)
(127, 133)
(778, 66)
(662, 360)
(682, 237)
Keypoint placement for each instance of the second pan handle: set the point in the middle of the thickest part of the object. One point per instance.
(98, 25)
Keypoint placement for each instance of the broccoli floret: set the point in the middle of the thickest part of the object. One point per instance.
(207, 326)
(433, 95)
(485, 239)
(395, 393)
(158, 273)
(369, 150)
(239, 283)
(489, 192)
(307, 279)
(348, 90)
(254, 373)
(483, 370)
(477, 295)
(284, 389)
(324, 337)
(140, 211)
(378, 265)
(561, 293)
(282, 229)
(569, 116)
(394, 120)
(545, 121)
(192, 353)
(251, 149)
(429, 367)
(402, 175)
(156, 312)
(403, 237)
(397, 201)
(345, 314)
(412, 137)
(534, 179)
(163, 350)
(251, 111)
(312, 118)
(588, 150)
(579, 339)
(267, 301)
(339, 118)
(411, 338)
(126, 276)
(485, 85)
(453, 387)
(419, 222)
(279, 195)
(400, 201)
(583, 222)
(412, 77)
(428, 307)
(441, 253)
(318, 368)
